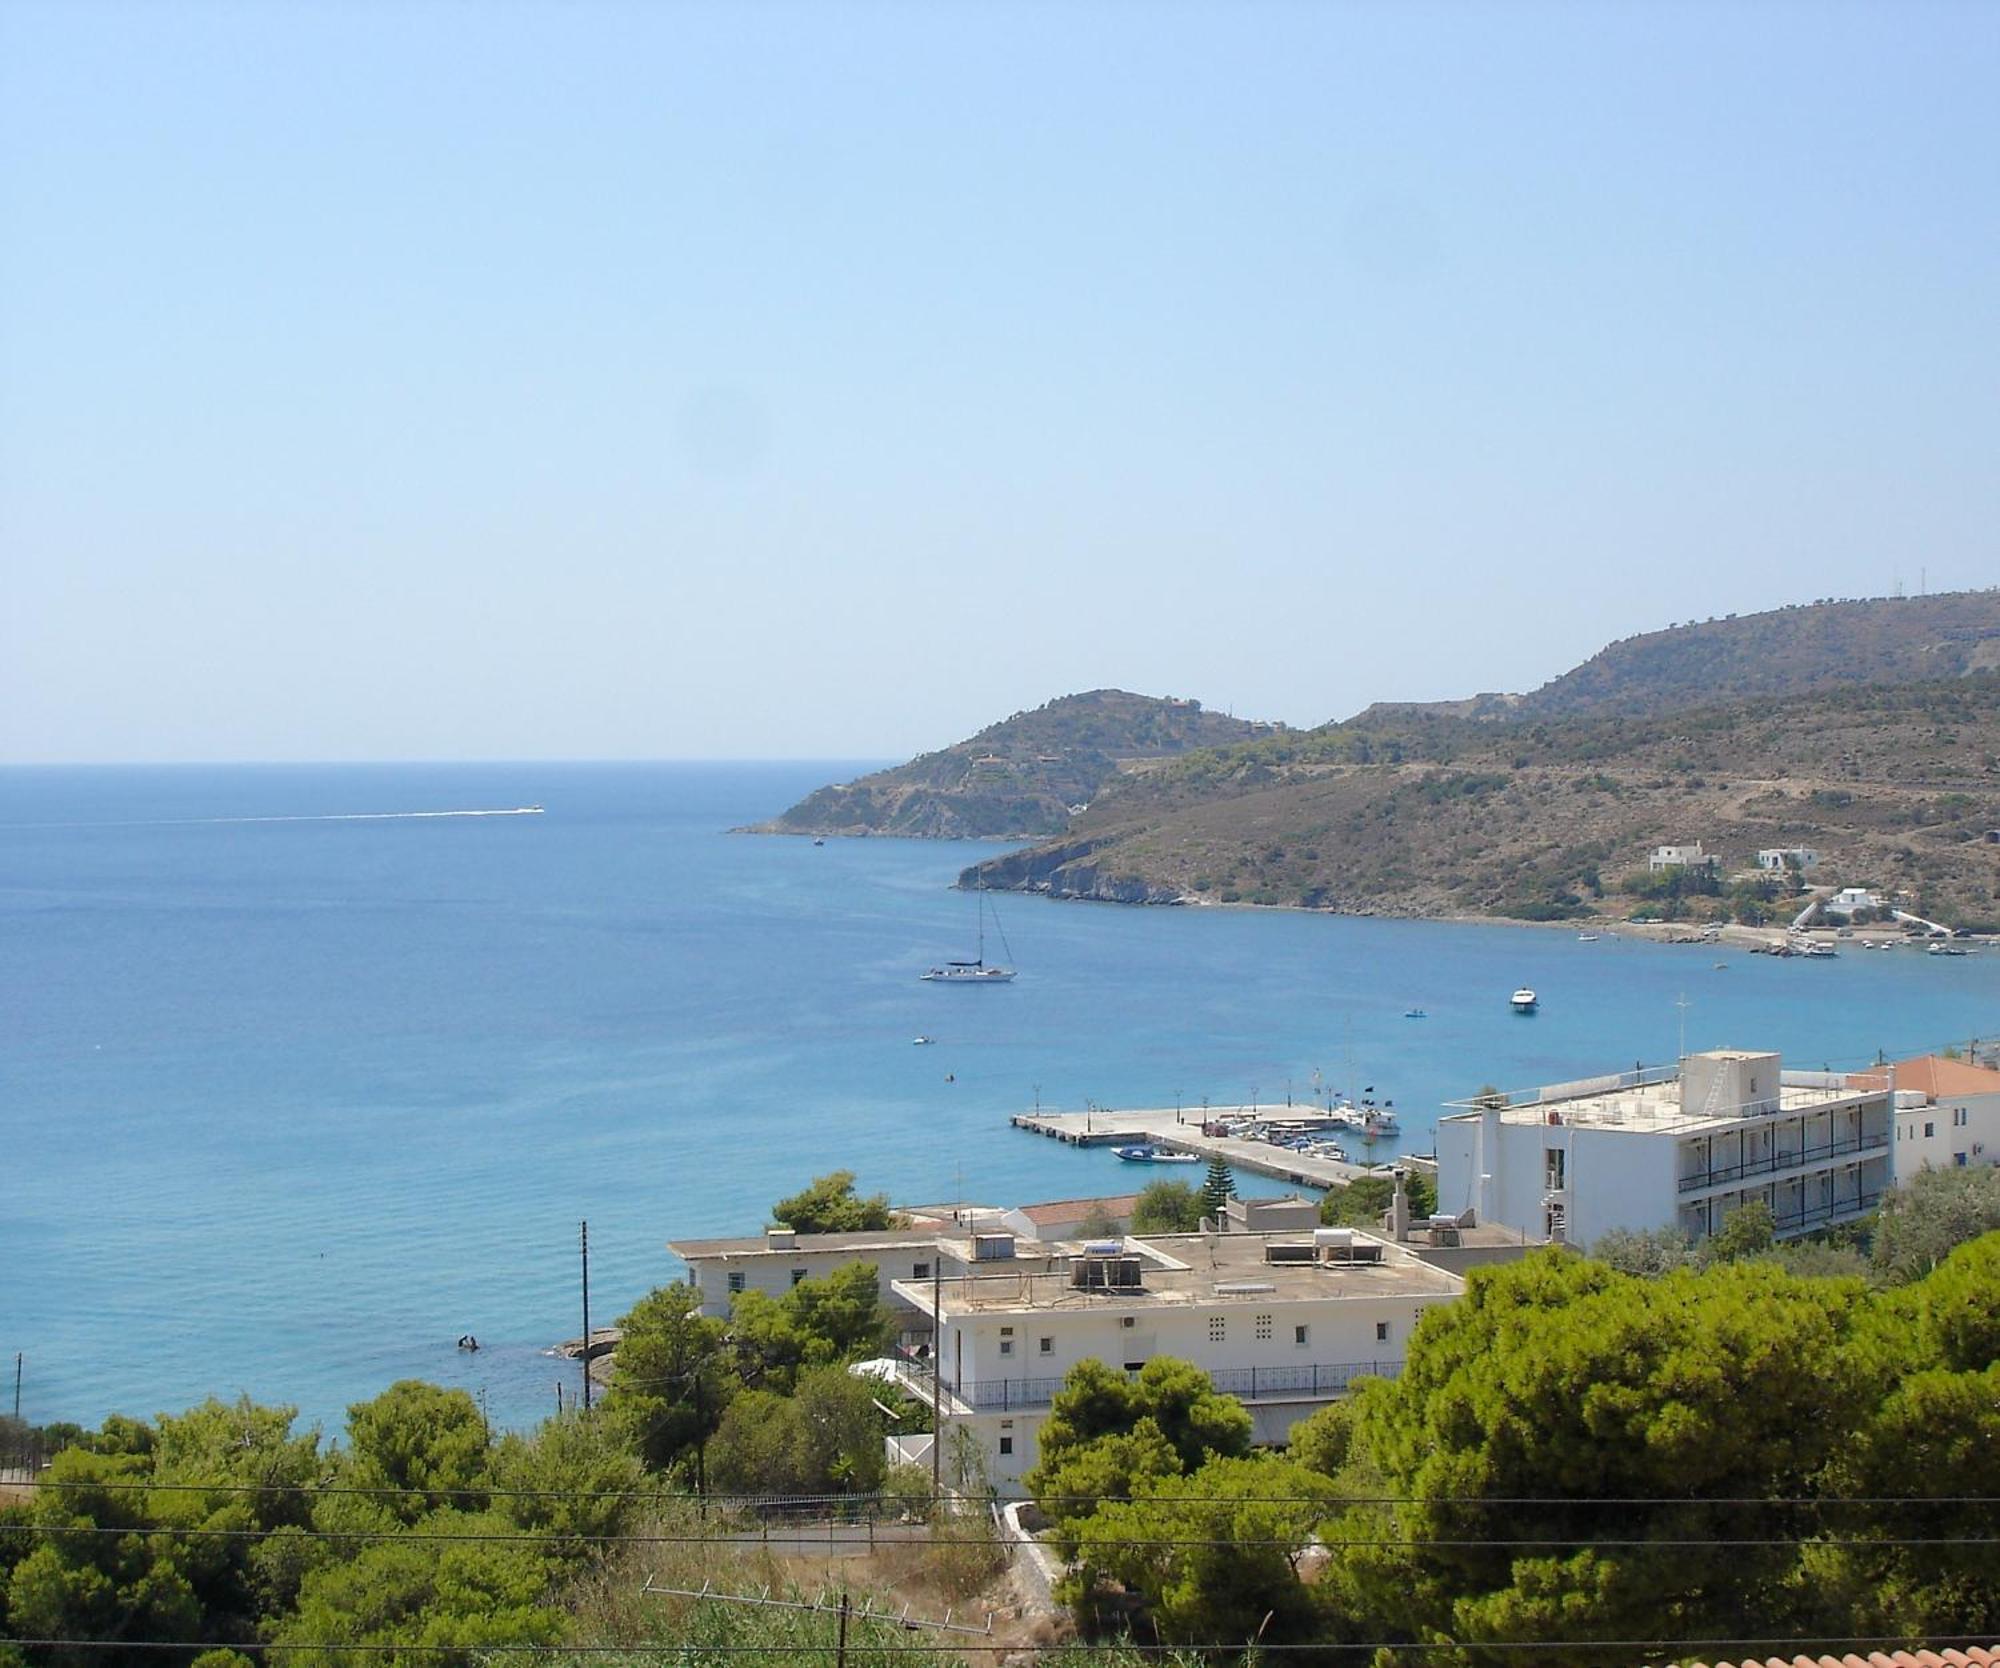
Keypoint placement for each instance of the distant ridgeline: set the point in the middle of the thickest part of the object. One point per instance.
(1868, 731)
(1021, 777)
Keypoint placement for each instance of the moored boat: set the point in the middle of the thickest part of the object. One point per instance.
(1525, 1001)
(974, 972)
(1153, 1155)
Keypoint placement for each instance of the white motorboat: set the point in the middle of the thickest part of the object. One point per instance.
(1153, 1155)
(1525, 1001)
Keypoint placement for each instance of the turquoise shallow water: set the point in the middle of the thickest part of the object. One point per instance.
(286, 1106)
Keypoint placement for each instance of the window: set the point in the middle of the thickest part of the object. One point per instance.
(1958, 1116)
(1381, 1332)
(1552, 1169)
(920, 1271)
(1006, 1346)
(1263, 1329)
(1218, 1329)
(1048, 1346)
(1930, 1129)
(1301, 1336)
(736, 1281)
(1006, 1445)
(798, 1274)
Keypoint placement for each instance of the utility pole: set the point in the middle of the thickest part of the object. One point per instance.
(586, 1315)
(937, 1375)
(1682, 1004)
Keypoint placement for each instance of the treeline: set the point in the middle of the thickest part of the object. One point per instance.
(423, 1536)
(225, 1527)
(1737, 1442)
(1571, 1454)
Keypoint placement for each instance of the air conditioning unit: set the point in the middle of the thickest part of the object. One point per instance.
(1128, 1321)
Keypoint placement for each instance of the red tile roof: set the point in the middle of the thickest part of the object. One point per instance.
(1974, 1656)
(1934, 1075)
(1075, 1210)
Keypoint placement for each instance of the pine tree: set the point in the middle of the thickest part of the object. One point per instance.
(1219, 1186)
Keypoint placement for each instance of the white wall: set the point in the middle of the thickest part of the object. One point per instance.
(1626, 1179)
(1977, 1137)
(1458, 1163)
(771, 1272)
(1615, 1178)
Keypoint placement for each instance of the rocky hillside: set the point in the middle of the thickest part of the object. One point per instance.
(1019, 778)
(1788, 651)
(1417, 812)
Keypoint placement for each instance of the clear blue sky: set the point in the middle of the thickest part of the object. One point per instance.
(524, 380)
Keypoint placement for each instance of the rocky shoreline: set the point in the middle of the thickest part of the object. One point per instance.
(1056, 872)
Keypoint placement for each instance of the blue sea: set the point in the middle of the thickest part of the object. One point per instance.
(294, 1093)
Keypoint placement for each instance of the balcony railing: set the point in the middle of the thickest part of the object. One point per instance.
(1002, 1395)
(1813, 1215)
(1722, 1173)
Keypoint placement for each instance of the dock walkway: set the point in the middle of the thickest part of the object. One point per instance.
(1180, 1131)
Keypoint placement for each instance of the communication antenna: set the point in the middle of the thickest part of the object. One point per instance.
(1682, 1004)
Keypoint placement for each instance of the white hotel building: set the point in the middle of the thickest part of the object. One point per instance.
(1285, 1321)
(1671, 1148)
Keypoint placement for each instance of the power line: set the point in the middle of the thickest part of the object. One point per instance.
(388, 1491)
(1263, 1647)
(802, 1533)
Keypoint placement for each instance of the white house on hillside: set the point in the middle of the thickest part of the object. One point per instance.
(1678, 1147)
(1777, 859)
(1681, 857)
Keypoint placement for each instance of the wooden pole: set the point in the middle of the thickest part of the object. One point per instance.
(586, 1316)
(840, 1644)
(937, 1375)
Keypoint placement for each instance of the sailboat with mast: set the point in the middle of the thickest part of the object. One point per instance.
(976, 972)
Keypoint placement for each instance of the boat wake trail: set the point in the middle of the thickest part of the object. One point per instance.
(330, 816)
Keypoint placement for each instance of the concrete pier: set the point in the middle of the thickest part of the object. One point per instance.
(1181, 1131)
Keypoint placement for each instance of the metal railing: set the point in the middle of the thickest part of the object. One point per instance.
(1721, 1173)
(1825, 1213)
(1002, 1395)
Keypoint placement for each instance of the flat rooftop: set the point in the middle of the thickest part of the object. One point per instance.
(752, 1245)
(1657, 1106)
(1184, 1269)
